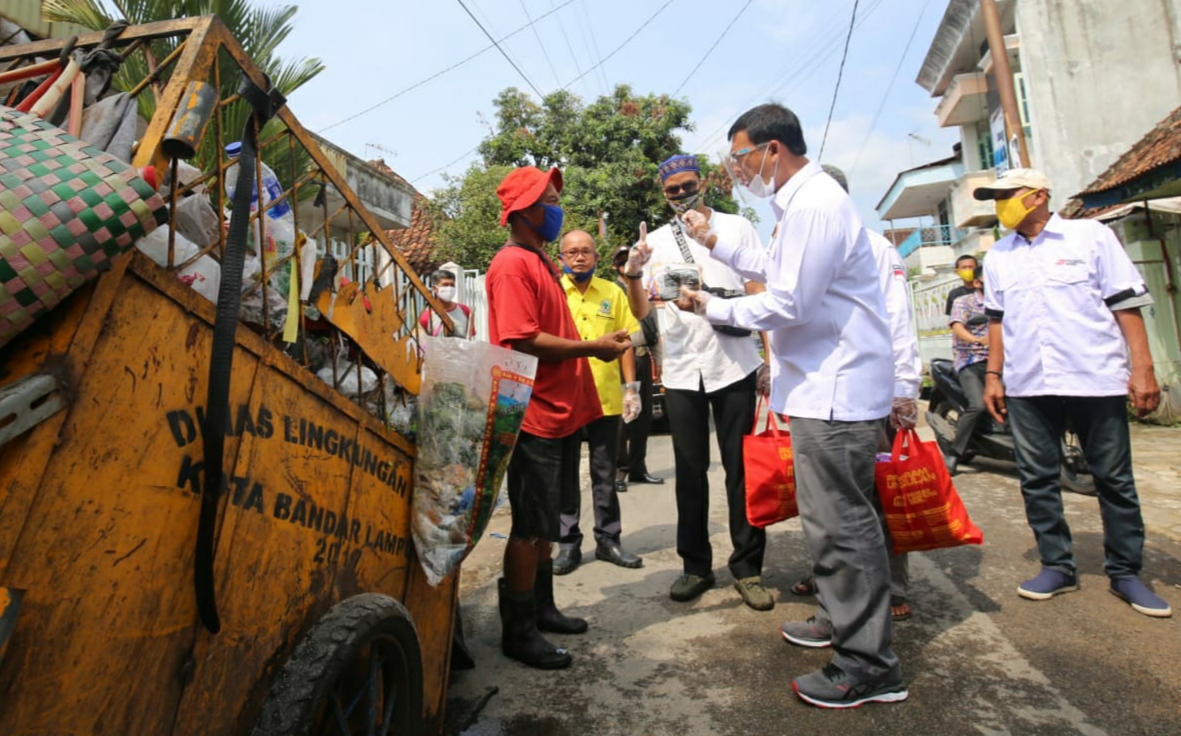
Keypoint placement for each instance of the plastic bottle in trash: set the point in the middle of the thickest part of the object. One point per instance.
(280, 225)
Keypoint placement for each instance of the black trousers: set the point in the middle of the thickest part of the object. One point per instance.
(602, 436)
(688, 415)
(632, 459)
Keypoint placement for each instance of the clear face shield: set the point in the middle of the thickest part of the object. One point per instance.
(750, 188)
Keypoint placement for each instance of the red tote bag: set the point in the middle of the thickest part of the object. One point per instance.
(770, 474)
(923, 510)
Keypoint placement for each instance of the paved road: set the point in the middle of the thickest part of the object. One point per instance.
(978, 659)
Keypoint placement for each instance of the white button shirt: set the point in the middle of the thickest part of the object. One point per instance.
(908, 364)
(823, 305)
(1060, 337)
(695, 354)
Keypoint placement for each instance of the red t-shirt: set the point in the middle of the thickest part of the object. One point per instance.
(524, 299)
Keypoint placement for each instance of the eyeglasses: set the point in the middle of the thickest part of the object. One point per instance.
(578, 254)
(689, 187)
(737, 156)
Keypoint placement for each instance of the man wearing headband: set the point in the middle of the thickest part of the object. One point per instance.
(1067, 344)
(527, 312)
(705, 370)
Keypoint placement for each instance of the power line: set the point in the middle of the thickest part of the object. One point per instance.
(840, 73)
(569, 47)
(540, 43)
(799, 69)
(889, 87)
(500, 49)
(590, 28)
(626, 41)
(447, 165)
(711, 48)
(438, 74)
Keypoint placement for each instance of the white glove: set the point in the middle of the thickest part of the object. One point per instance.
(693, 300)
(631, 402)
(763, 381)
(640, 253)
(699, 228)
(904, 414)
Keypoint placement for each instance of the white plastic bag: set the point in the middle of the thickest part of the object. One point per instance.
(204, 275)
(470, 409)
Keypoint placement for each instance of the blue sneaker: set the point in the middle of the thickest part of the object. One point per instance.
(1140, 597)
(1047, 584)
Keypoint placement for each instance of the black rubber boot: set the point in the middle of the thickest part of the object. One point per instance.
(520, 639)
(549, 618)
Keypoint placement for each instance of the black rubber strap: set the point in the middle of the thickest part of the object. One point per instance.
(221, 361)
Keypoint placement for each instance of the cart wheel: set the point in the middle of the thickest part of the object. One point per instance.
(358, 671)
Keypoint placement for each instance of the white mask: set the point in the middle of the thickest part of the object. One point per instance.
(757, 187)
(446, 293)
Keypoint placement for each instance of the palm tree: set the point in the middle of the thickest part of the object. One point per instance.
(259, 30)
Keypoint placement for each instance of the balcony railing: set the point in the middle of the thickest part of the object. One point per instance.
(929, 236)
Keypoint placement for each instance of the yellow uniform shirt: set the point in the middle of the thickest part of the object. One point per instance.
(603, 309)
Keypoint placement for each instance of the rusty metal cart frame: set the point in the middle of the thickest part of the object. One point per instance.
(328, 619)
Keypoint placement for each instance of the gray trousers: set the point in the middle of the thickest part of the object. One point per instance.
(834, 468)
(602, 437)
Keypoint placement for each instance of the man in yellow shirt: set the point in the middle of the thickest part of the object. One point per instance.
(599, 307)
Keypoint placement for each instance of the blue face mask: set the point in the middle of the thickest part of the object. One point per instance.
(580, 278)
(551, 227)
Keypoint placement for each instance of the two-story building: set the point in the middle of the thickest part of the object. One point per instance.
(1091, 77)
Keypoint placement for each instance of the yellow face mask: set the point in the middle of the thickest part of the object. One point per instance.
(1013, 210)
(967, 274)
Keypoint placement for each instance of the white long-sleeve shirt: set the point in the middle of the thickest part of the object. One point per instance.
(823, 306)
(908, 364)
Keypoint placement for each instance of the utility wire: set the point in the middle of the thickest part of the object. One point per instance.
(590, 28)
(500, 49)
(798, 70)
(569, 47)
(540, 43)
(447, 165)
(711, 48)
(438, 74)
(885, 98)
(840, 73)
(626, 41)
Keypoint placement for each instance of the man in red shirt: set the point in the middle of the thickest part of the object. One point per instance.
(527, 312)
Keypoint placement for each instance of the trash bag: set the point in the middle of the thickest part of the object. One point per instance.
(470, 409)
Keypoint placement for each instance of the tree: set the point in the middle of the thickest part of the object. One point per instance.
(259, 30)
(608, 152)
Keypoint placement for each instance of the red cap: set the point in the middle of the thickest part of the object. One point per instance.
(523, 187)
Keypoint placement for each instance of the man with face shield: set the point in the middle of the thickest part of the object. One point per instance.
(599, 307)
(1067, 344)
(833, 375)
(527, 311)
(704, 370)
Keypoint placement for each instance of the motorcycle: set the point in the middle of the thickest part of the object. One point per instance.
(993, 439)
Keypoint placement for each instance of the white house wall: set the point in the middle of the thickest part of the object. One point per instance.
(1100, 74)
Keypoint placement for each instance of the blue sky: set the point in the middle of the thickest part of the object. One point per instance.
(783, 50)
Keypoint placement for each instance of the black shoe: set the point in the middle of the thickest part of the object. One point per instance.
(567, 561)
(613, 553)
(645, 478)
(620, 486)
(520, 639)
(549, 618)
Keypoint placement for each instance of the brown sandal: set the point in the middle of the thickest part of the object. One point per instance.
(805, 587)
(899, 609)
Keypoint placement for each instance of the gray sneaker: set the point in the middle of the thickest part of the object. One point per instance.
(832, 687)
(754, 594)
(687, 587)
(812, 633)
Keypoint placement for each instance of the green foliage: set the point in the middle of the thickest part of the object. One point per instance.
(608, 152)
(259, 29)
